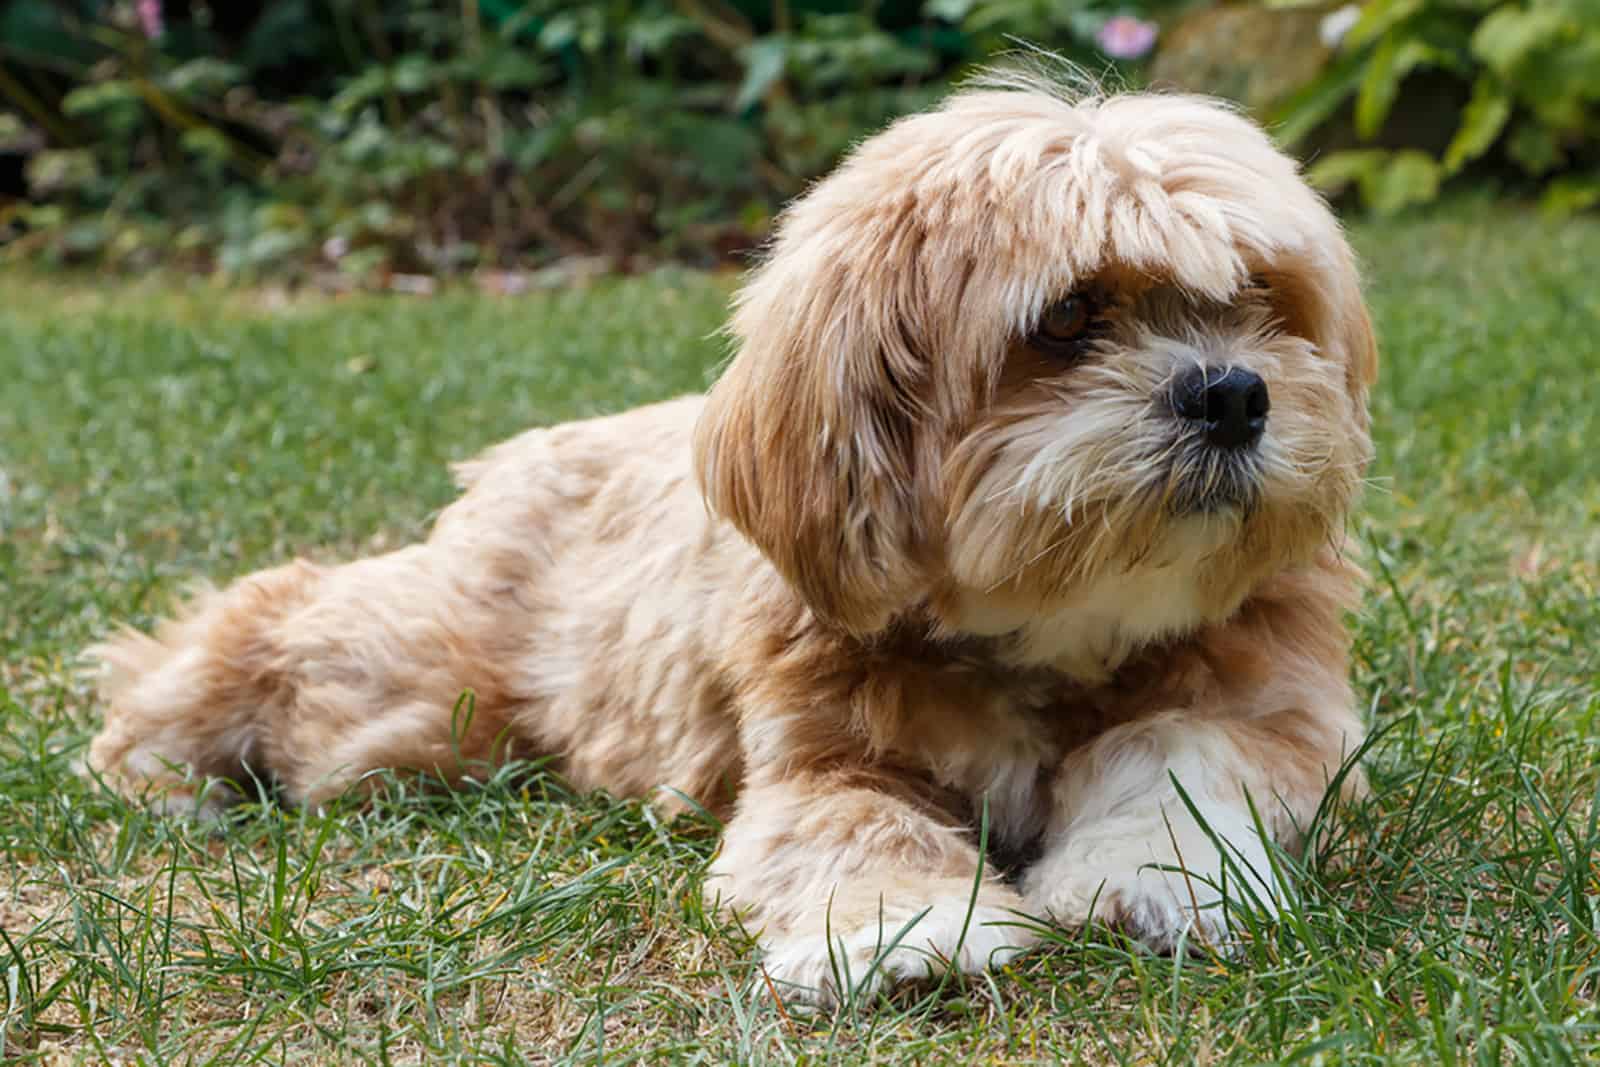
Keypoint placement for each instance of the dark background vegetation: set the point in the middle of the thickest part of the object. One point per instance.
(360, 139)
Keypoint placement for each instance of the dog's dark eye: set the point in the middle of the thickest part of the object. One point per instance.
(1065, 325)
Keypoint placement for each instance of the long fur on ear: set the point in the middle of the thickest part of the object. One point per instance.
(808, 441)
(1360, 342)
(1324, 283)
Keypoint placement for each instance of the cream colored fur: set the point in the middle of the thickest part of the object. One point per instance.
(901, 566)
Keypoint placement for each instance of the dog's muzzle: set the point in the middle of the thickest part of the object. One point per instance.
(1230, 405)
(1224, 413)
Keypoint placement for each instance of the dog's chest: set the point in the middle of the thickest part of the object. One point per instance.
(1091, 635)
(991, 734)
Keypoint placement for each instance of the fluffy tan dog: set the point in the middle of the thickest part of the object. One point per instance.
(1024, 492)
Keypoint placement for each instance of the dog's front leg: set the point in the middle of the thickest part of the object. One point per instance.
(1125, 846)
(852, 881)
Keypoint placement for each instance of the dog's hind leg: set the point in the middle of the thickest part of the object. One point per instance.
(313, 677)
(185, 708)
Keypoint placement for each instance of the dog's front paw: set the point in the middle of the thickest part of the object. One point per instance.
(897, 944)
(1143, 887)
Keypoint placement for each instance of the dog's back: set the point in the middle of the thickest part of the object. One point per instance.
(454, 654)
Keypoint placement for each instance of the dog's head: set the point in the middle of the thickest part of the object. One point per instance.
(1022, 346)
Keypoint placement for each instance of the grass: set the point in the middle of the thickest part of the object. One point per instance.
(153, 431)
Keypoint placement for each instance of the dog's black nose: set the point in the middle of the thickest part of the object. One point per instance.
(1232, 404)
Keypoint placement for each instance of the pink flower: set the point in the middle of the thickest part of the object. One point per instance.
(1126, 37)
(150, 20)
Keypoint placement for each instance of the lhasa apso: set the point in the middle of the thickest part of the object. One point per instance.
(1021, 501)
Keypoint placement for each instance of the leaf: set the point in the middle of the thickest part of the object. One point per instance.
(1481, 122)
(948, 10)
(1377, 19)
(56, 171)
(208, 143)
(559, 32)
(1567, 196)
(1334, 172)
(650, 36)
(1559, 82)
(203, 77)
(414, 74)
(501, 68)
(1311, 106)
(365, 87)
(1410, 177)
(1535, 148)
(100, 96)
(116, 104)
(1389, 181)
(1511, 34)
(764, 61)
(1390, 64)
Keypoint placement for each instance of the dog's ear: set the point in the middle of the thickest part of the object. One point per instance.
(1360, 343)
(807, 442)
(1348, 327)
(1322, 302)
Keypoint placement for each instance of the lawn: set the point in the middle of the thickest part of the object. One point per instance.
(152, 431)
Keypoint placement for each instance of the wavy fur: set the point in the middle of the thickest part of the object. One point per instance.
(900, 565)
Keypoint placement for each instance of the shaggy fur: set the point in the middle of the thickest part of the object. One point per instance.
(902, 565)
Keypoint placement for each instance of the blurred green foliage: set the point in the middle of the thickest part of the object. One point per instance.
(1521, 94)
(423, 135)
(360, 138)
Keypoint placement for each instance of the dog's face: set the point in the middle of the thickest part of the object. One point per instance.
(1020, 354)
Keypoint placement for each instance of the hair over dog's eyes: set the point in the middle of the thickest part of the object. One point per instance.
(1065, 325)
